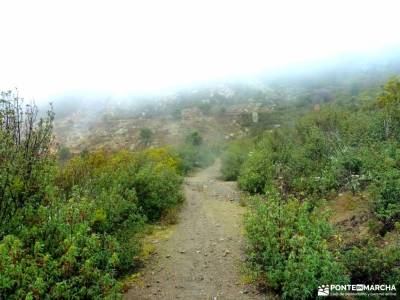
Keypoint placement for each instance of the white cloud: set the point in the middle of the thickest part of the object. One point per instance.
(123, 46)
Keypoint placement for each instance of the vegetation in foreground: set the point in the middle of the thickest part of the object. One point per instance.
(347, 148)
(71, 231)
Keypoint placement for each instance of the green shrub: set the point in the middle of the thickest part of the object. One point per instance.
(386, 202)
(233, 158)
(146, 136)
(194, 139)
(157, 190)
(195, 153)
(64, 153)
(335, 149)
(288, 248)
(273, 161)
(344, 170)
(317, 147)
(61, 253)
(257, 172)
(80, 235)
(25, 160)
(389, 101)
(370, 264)
(80, 171)
(189, 156)
(149, 179)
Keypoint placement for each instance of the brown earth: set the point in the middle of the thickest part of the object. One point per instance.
(200, 257)
(350, 215)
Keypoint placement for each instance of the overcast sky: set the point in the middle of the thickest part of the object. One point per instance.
(52, 47)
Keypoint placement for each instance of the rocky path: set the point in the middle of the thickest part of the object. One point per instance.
(202, 257)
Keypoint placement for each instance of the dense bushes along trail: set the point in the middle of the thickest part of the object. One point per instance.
(72, 229)
(201, 258)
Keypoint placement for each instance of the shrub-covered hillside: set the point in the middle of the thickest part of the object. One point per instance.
(71, 230)
(326, 208)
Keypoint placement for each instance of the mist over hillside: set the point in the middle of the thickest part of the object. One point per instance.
(181, 149)
(217, 109)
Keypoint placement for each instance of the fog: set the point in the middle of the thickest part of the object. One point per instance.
(121, 48)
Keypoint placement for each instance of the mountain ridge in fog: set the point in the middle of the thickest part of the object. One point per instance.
(340, 70)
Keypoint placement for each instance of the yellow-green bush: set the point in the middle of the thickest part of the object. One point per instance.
(70, 231)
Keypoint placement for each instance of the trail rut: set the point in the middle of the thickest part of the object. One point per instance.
(202, 257)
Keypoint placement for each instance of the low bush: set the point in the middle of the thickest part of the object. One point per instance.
(288, 248)
(386, 201)
(152, 175)
(370, 264)
(257, 172)
(234, 157)
(189, 156)
(328, 151)
(71, 231)
(64, 251)
(195, 153)
(157, 190)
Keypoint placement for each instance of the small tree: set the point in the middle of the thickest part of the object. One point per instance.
(64, 153)
(146, 136)
(194, 139)
(25, 142)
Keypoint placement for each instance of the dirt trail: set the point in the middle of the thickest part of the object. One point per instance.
(202, 257)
